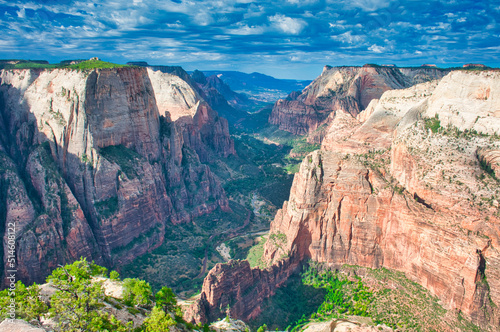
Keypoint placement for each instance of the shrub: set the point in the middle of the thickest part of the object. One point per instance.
(114, 275)
(433, 124)
(136, 292)
(158, 320)
(165, 298)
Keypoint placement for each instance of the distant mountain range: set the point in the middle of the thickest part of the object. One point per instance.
(259, 86)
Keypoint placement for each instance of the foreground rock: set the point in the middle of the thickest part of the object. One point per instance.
(344, 326)
(18, 325)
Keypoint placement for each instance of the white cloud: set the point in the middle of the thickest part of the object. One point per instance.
(349, 38)
(203, 18)
(302, 2)
(129, 20)
(462, 19)
(175, 25)
(369, 5)
(287, 24)
(245, 30)
(377, 49)
(338, 25)
(221, 37)
(21, 13)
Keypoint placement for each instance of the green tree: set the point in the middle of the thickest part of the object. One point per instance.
(28, 304)
(97, 270)
(263, 328)
(165, 298)
(105, 322)
(158, 321)
(114, 275)
(136, 292)
(4, 304)
(76, 304)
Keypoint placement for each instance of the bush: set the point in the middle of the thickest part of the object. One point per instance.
(158, 320)
(433, 124)
(27, 300)
(77, 290)
(114, 275)
(165, 298)
(136, 292)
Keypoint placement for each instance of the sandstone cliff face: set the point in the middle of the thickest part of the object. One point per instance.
(91, 168)
(346, 89)
(241, 287)
(385, 190)
(221, 98)
(394, 194)
(200, 125)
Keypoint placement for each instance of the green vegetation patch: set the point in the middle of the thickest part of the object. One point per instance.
(292, 168)
(302, 147)
(95, 64)
(390, 299)
(255, 254)
(179, 260)
(487, 168)
(293, 302)
(29, 65)
(433, 124)
(258, 168)
(124, 157)
(76, 288)
(108, 207)
(83, 65)
(344, 296)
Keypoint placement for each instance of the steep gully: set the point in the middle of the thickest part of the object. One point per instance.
(233, 233)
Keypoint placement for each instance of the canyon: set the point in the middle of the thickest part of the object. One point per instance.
(100, 163)
(405, 179)
(94, 163)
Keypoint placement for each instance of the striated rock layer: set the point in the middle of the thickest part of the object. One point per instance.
(397, 188)
(345, 89)
(237, 285)
(90, 167)
(220, 97)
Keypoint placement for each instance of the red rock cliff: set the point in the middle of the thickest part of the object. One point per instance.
(347, 89)
(236, 284)
(396, 190)
(90, 167)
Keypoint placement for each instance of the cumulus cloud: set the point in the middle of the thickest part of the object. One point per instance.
(288, 25)
(349, 38)
(377, 49)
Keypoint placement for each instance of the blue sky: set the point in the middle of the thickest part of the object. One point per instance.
(285, 39)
